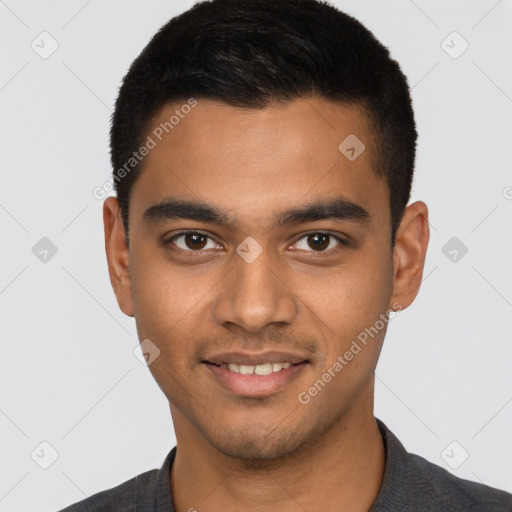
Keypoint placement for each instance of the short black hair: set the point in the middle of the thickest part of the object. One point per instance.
(250, 53)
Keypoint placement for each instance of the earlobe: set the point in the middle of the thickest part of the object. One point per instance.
(409, 254)
(117, 254)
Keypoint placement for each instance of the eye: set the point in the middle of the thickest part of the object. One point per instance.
(318, 242)
(191, 241)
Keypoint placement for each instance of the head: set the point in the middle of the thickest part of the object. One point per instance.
(280, 135)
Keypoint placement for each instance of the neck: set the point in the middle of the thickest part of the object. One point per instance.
(345, 467)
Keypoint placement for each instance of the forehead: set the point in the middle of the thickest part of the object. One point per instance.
(255, 162)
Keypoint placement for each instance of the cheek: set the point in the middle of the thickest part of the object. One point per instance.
(353, 331)
(354, 297)
(162, 293)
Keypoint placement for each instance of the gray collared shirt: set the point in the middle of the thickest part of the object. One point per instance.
(410, 484)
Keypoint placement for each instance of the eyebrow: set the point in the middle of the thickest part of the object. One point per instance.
(338, 208)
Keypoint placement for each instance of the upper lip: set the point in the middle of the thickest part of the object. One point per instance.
(253, 359)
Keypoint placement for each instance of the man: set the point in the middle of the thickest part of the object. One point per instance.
(263, 154)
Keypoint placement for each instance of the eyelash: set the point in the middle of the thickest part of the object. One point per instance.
(191, 252)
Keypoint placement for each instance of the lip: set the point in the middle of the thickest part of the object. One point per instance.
(255, 385)
(247, 358)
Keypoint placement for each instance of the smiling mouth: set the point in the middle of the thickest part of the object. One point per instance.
(255, 380)
(259, 369)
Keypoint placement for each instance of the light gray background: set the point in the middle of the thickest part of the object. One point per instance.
(68, 373)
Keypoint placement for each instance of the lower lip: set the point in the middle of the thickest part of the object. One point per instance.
(255, 385)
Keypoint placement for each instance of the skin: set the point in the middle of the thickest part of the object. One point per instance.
(271, 452)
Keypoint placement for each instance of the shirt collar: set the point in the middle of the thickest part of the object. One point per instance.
(163, 485)
(396, 468)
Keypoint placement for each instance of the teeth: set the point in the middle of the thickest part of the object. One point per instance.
(264, 369)
(260, 369)
(246, 369)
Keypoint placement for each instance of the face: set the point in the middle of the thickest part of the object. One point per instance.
(259, 254)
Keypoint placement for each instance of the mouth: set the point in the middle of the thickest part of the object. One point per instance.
(255, 375)
(259, 369)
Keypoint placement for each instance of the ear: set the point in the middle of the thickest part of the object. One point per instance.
(409, 254)
(117, 254)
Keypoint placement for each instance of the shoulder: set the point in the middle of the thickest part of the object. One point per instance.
(430, 482)
(122, 498)
(412, 483)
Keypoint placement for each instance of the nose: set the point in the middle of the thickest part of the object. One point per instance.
(255, 294)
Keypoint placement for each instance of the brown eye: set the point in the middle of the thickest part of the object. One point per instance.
(318, 241)
(195, 240)
(191, 241)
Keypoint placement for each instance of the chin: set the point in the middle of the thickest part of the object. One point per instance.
(255, 450)
(261, 445)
